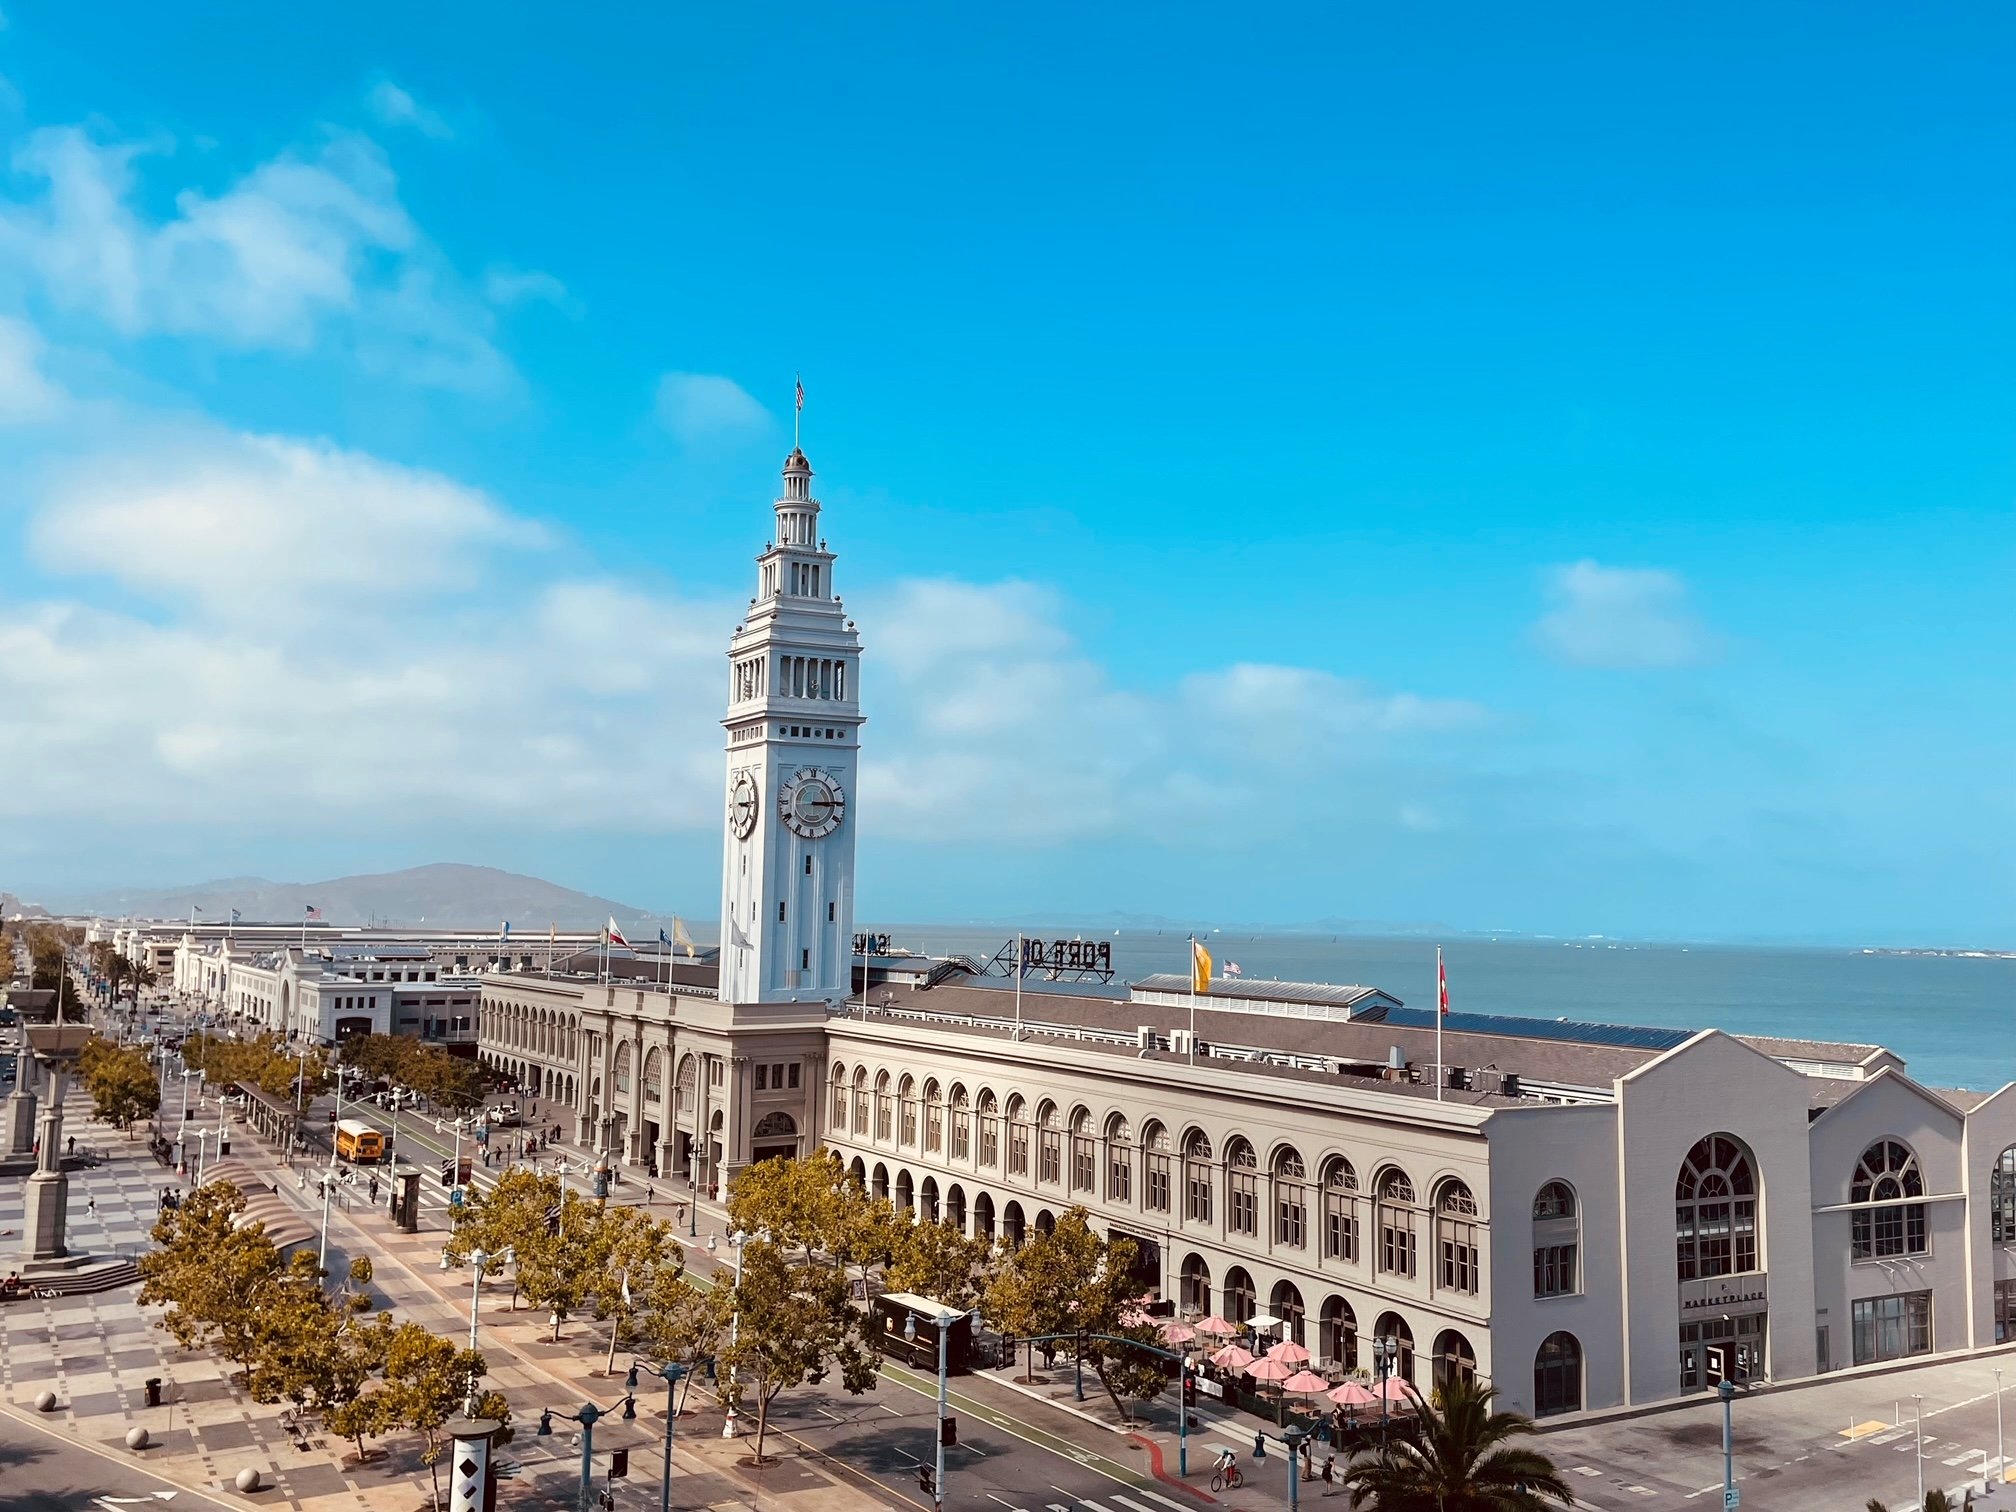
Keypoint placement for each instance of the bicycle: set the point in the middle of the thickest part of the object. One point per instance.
(1227, 1479)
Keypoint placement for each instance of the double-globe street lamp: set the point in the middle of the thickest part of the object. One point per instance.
(673, 1373)
(736, 1241)
(587, 1417)
(945, 1318)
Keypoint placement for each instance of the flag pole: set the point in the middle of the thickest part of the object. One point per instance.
(1193, 999)
(1441, 1012)
(1018, 983)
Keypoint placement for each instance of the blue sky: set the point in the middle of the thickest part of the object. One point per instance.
(1545, 472)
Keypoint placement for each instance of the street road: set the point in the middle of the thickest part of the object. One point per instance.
(45, 1471)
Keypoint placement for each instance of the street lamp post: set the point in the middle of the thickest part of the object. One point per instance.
(673, 1373)
(1726, 1389)
(1918, 1446)
(1291, 1440)
(944, 1321)
(2001, 1463)
(736, 1240)
(479, 1261)
(1385, 1350)
(693, 1207)
(587, 1417)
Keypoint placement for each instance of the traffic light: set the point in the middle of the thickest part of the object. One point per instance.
(447, 1173)
(619, 1464)
(948, 1431)
(927, 1480)
(1189, 1389)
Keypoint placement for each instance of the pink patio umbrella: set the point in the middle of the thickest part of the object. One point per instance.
(1274, 1371)
(1305, 1383)
(1232, 1357)
(1353, 1396)
(1134, 1317)
(1396, 1391)
(1290, 1351)
(1215, 1325)
(1178, 1333)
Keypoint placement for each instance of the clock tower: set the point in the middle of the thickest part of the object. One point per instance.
(794, 742)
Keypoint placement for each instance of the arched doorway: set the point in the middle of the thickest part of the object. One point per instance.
(1240, 1301)
(906, 1192)
(1193, 1285)
(1286, 1304)
(1013, 1228)
(1392, 1327)
(775, 1137)
(1046, 1221)
(857, 1172)
(955, 1206)
(927, 1200)
(1454, 1358)
(1716, 1234)
(881, 1187)
(1337, 1334)
(983, 1215)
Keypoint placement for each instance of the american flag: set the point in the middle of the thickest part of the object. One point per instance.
(801, 395)
(312, 914)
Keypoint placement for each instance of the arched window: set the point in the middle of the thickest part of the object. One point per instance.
(861, 1100)
(1286, 1304)
(1394, 1341)
(906, 1190)
(1049, 1143)
(1155, 1166)
(1241, 1302)
(934, 1116)
(1454, 1358)
(838, 1117)
(654, 1075)
(2002, 1198)
(1340, 1210)
(1395, 1200)
(883, 1111)
(1337, 1335)
(1291, 1199)
(1084, 1158)
(1557, 1242)
(1715, 1201)
(1557, 1375)
(1197, 1177)
(775, 1125)
(987, 1113)
(906, 1106)
(622, 1066)
(962, 1124)
(1242, 1186)
(927, 1200)
(1887, 1174)
(1119, 1160)
(1195, 1285)
(1018, 1136)
(1456, 1238)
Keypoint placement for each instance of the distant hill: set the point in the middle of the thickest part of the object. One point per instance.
(446, 893)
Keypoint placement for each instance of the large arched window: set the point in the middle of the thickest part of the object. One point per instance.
(1396, 1205)
(654, 1075)
(1049, 1143)
(1715, 1202)
(1888, 1173)
(1155, 1166)
(1197, 1177)
(987, 1115)
(1557, 1375)
(1340, 1210)
(1454, 1358)
(962, 1123)
(1084, 1157)
(906, 1108)
(861, 1100)
(1395, 1343)
(1018, 1136)
(1119, 1160)
(1242, 1186)
(2002, 1198)
(1291, 1199)
(882, 1109)
(934, 1115)
(1456, 1237)
(1557, 1242)
(623, 1066)
(1195, 1285)
(839, 1113)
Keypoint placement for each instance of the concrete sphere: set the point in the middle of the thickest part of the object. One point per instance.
(136, 1438)
(247, 1479)
(45, 1400)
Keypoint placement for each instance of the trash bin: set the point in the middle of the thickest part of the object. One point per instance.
(223, 1143)
(153, 1391)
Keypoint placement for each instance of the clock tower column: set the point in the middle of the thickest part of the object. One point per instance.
(794, 739)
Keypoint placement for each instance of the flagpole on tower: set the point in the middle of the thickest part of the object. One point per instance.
(1441, 1012)
(798, 410)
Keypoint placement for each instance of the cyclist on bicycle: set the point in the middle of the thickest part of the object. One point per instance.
(1226, 1465)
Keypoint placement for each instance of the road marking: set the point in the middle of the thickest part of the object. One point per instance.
(1958, 1459)
(1864, 1430)
(1086, 1501)
(1584, 1470)
(1166, 1501)
(1131, 1504)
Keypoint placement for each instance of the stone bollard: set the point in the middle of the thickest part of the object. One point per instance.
(45, 1400)
(246, 1480)
(136, 1438)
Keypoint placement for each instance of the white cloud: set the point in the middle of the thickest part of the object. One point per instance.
(302, 247)
(270, 529)
(25, 393)
(1621, 617)
(704, 407)
(394, 106)
(508, 287)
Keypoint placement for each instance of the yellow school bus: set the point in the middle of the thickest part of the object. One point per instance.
(357, 1141)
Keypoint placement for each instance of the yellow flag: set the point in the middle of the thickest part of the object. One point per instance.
(1200, 967)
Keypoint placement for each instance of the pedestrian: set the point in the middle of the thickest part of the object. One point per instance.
(70, 1145)
(91, 1205)
(1329, 1473)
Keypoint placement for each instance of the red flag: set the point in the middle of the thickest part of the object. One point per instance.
(1442, 984)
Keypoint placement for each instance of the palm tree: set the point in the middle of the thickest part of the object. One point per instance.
(1936, 1500)
(1464, 1461)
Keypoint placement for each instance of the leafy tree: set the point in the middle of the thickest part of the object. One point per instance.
(212, 1274)
(511, 1215)
(939, 1261)
(45, 957)
(1072, 1281)
(562, 1270)
(267, 1062)
(641, 1252)
(794, 1323)
(428, 1380)
(317, 1351)
(814, 1211)
(121, 1082)
(453, 1081)
(1464, 1459)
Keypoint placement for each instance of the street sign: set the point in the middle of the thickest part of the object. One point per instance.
(1732, 1498)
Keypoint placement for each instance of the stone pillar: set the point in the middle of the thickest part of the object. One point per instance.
(17, 1121)
(48, 1188)
(472, 1485)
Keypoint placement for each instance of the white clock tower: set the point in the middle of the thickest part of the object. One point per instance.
(794, 742)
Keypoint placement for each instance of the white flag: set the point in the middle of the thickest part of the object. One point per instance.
(741, 940)
(626, 1288)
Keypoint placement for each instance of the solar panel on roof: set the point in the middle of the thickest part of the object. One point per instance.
(1622, 1036)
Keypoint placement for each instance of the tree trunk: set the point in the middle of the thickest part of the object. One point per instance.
(434, 1470)
(1118, 1406)
(762, 1419)
(615, 1332)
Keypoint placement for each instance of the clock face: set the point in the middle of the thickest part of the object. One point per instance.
(812, 803)
(742, 805)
